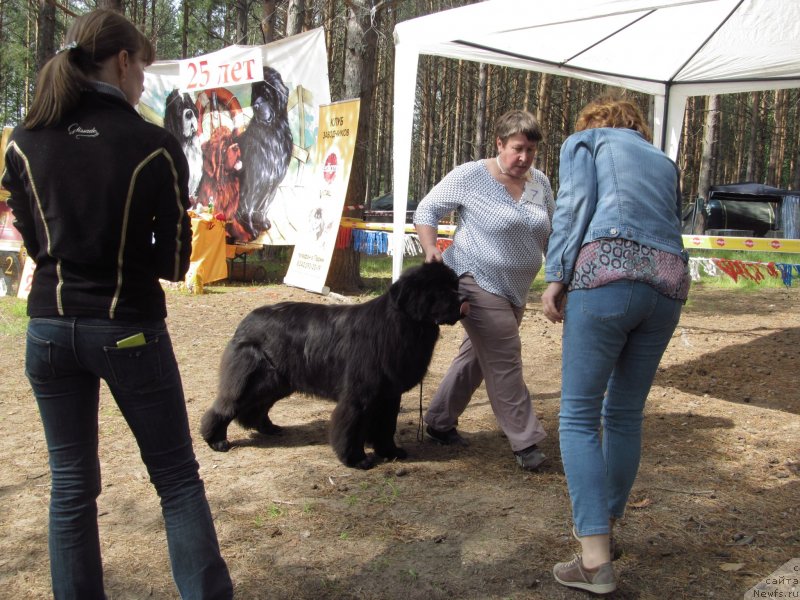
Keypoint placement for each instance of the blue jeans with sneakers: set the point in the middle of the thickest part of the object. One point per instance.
(613, 339)
(65, 360)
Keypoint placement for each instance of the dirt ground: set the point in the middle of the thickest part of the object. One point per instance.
(714, 510)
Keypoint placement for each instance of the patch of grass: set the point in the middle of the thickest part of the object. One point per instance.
(378, 492)
(389, 492)
(273, 512)
(13, 317)
(380, 564)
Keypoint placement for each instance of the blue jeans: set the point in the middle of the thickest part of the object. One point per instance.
(65, 360)
(613, 339)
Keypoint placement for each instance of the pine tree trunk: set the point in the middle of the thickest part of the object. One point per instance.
(739, 141)
(112, 4)
(543, 116)
(457, 133)
(424, 139)
(526, 100)
(794, 150)
(241, 21)
(750, 173)
(295, 15)
(780, 134)
(45, 44)
(700, 114)
(707, 160)
(466, 151)
(359, 82)
(268, 21)
(480, 114)
(796, 177)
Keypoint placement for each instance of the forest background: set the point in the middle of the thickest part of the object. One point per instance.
(726, 139)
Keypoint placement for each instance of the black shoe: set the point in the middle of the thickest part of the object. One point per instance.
(531, 458)
(446, 438)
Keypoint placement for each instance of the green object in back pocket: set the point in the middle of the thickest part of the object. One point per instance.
(132, 341)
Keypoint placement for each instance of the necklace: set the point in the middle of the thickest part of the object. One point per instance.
(504, 172)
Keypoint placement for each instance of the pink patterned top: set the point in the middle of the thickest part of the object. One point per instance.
(611, 259)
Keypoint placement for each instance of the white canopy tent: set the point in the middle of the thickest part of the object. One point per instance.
(671, 49)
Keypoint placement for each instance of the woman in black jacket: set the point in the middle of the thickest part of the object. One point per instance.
(100, 198)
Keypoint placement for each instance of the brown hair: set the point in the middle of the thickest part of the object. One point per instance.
(609, 111)
(518, 121)
(91, 39)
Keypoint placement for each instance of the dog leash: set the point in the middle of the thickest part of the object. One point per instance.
(420, 435)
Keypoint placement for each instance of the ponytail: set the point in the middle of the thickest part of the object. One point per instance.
(58, 89)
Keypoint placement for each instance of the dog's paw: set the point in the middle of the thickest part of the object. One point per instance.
(365, 463)
(221, 446)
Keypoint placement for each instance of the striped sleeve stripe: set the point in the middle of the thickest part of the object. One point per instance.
(126, 214)
(13, 146)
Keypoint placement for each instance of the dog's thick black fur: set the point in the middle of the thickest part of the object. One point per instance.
(362, 356)
(266, 151)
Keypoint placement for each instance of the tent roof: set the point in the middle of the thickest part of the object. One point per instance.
(644, 44)
(671, 49)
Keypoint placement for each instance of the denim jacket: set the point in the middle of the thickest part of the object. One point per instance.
(612, 184)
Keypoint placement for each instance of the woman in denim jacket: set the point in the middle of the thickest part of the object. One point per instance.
(618, 279)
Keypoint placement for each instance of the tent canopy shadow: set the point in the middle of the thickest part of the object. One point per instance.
(757, 372)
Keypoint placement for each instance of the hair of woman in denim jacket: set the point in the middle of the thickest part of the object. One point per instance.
(609, 111)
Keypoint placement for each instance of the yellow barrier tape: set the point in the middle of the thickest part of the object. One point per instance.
(712, 242)
(351, 223)
(709, 242)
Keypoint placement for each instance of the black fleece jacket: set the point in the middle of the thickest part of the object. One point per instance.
(100, 200)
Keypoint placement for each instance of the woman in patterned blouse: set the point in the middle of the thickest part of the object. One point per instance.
(504, 208)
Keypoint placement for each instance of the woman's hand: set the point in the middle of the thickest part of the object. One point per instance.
(554, 299)
(427, 239)
(433, 254)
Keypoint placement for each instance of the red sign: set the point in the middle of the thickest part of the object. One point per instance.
(775, 244)
(749, 243)
(330, 167)
(720, 242)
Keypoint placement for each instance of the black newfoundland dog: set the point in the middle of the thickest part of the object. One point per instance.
(362, 356)
(266, 151)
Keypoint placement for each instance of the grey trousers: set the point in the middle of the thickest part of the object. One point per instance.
(491, 350)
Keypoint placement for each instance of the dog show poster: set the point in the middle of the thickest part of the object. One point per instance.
(247, 119)
(311, 259)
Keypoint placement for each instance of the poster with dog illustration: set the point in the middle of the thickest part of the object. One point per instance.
(313, 251)
(247, 120)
